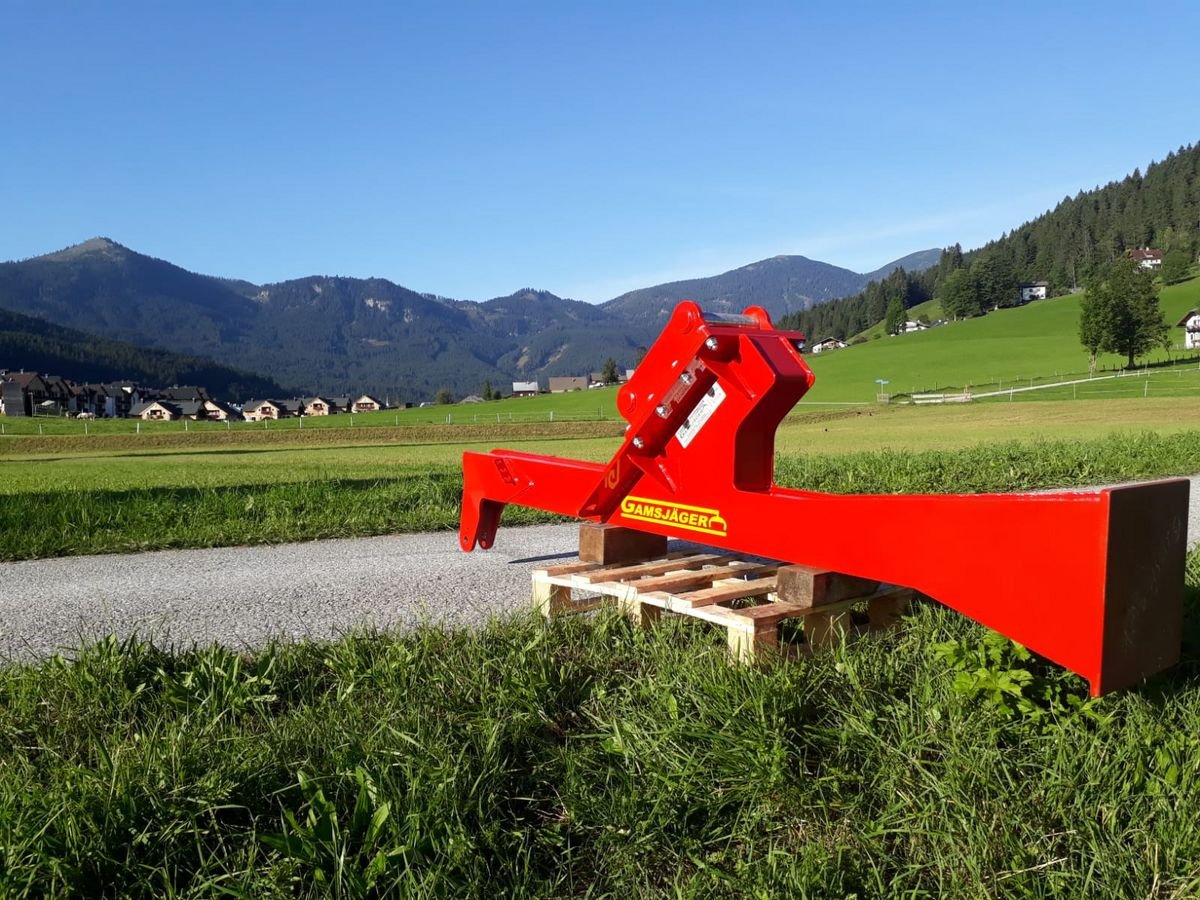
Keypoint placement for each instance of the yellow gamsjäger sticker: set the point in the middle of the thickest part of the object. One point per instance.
(692, 518)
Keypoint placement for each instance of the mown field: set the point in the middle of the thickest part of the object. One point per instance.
(79, 501)
(588, 758)
(1003, 348)
(584, 758)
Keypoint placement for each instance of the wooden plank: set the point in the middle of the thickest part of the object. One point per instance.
(656, 567)
(682, 580)
(728, 590)
(551, 600)
(606, 544)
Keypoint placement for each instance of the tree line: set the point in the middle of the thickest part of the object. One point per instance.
(1067, 247)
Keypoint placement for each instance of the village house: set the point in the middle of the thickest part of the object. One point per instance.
(366, 403)
(318, 406)
(560, 384)
(157, 411)
(1190, 323)
(830, 343)
(265, 409)
(1034, 290)
(1148, 259)
(525, 389)
(911, 326)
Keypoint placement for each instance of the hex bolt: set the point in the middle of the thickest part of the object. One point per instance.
(687, 377)
(661, 411)
(638, 443)
(711, 343)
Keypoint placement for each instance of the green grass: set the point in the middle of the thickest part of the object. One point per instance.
(231, 505)
(1009, 346)
(588, 758)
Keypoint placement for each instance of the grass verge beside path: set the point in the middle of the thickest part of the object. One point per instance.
(589, 758)
(36, 524)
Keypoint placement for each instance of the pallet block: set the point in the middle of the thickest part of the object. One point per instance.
(748, 598)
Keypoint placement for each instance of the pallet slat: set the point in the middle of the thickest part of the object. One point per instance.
(701, 586)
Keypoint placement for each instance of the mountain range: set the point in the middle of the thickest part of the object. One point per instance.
(337, 334)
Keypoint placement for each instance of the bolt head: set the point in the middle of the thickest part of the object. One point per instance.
(711, 343)
(638, 443)
(660, 411)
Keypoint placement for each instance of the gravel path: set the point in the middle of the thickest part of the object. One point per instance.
(241, 596)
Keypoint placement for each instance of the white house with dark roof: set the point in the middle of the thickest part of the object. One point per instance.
(1034, 290)
(1190, 323)
(1148, 259)
(830, 343)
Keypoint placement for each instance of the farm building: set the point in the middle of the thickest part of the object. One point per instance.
(525, 389)
(830, 343)
(1147, 258)
(560, 384)
(265, 409)
(1034, 290)
(318, 406)
(1190, 323)
(366, 403)
(910, 326)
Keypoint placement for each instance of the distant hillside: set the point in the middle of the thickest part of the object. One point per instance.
(782, 285)
(38, 346)
(319, 333)
(337, 334)
(1064, 246)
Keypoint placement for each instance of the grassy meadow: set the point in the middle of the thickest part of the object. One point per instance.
(589, 758)
(78, 501)
(1008, 347)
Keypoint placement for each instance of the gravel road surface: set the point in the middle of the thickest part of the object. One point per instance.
(241, 596)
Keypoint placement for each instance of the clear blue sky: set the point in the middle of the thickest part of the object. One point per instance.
(472, 149)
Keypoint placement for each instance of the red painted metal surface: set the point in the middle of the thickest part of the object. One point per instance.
(1090, 579)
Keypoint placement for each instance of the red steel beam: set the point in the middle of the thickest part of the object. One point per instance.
(1092, 580)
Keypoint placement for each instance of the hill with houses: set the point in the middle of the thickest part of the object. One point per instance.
(337, 335)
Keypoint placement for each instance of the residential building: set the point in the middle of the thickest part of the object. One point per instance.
(318, 406)
(1034, 290)
(366, 403)
(1148, 259)
(1190, 323)
(562, 383)
(525, 389)
(265, 409)
(830, 343)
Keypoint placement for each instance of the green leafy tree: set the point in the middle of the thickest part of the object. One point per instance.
(608, 374)
(443, 397)
(1120, 313)
(894, 320)
(959, 298)
(1175, 265)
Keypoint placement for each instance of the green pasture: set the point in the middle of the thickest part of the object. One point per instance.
(81, 504)
(125, 463)
(589, 758)
(1039, 341)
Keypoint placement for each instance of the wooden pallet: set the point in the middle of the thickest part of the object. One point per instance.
(749, 598)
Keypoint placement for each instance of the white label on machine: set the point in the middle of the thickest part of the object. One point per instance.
(702, 413)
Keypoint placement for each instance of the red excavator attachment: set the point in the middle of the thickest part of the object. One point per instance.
(1092, 580)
